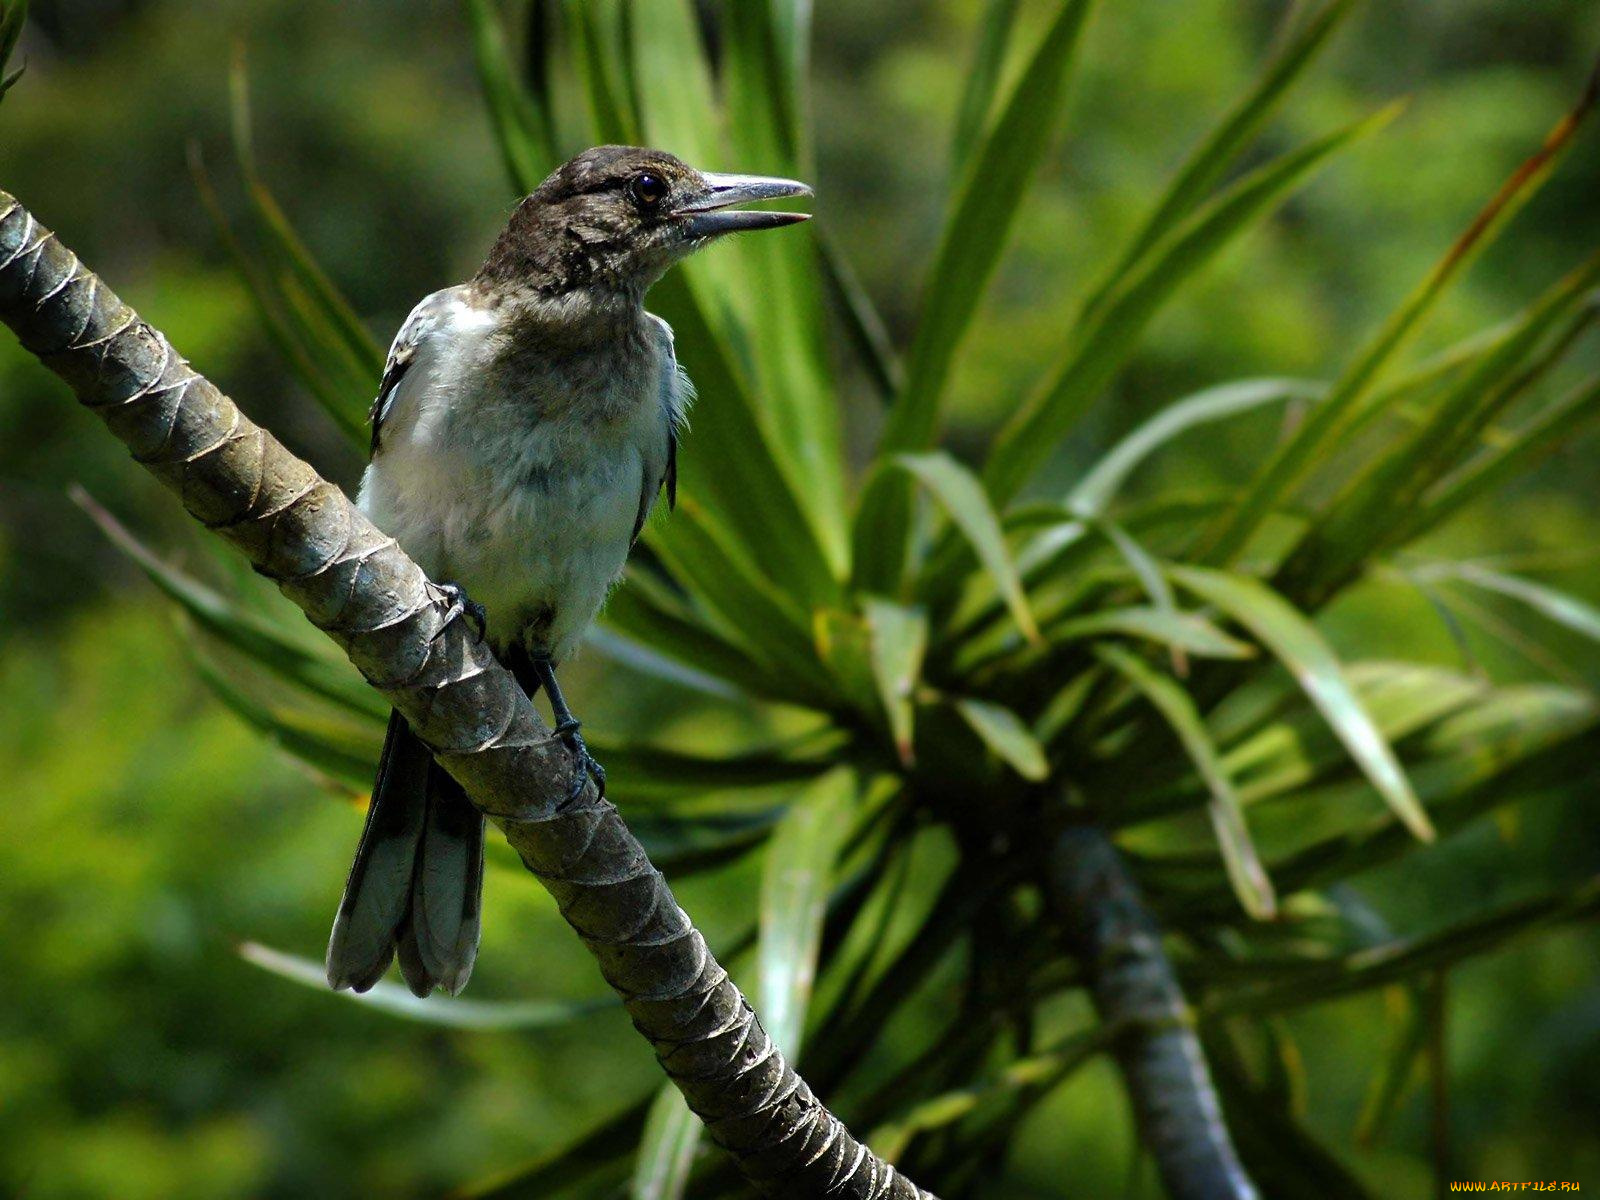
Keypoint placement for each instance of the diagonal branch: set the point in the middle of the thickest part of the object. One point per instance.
(1113, 936)
(359, 587)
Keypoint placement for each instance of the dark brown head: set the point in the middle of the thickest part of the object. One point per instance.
(614, 218)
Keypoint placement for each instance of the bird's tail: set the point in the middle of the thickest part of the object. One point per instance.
(416, 886)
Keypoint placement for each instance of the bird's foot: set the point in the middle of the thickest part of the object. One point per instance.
(585, 768)
(463, 605)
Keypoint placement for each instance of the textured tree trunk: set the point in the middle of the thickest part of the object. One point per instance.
(359, 587)
(1108, 928)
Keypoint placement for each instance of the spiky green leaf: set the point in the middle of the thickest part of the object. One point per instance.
(263, 642)
(1007, 734)
(795, 885)
(447, 1011)
(899, 642)
(961, 495)
(1210, 160)
(1298, 645)
(667, 1149)
(979, 224)
(1249, 878)
(1097, 352)
(521, 129)
(1347, 399)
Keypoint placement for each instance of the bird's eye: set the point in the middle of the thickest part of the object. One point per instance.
(647, 189)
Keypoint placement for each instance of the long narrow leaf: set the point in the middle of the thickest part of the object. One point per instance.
(347, 754)
(765, 482)
(645, 611)
(1096, 354)
(521, 130)
(791, 357)
(448, 1011)
(328, 317)
(1245, 872)
(754, 611)
(1094, 492)
(975, 234)
(1561, 607)
(1298, 645)
(983, 79)
(672, 75)
(1289, 466)
(899, 642)
(595, 29)
(791, 33)
(1291, 751)
(636, 656)
(728, 460)
(959, 492)
(979, 224)
(667, 1149)
(844, 643)
(345, 406)
(1571, 317)
(1005, 733)
(1065, 706)
(862, 323)
(259, 640)
(1398, 1070)
(1377, 499)
(1211, 159)
(794, 892)
(12, 15)
(1556, 424)
(1182, 633)
(1148, 572)
(1188, 632)
(644, 773)
(1043, 1070)
(1518, 742)
(1407, 959)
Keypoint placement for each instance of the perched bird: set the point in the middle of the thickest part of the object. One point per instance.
(525, 424)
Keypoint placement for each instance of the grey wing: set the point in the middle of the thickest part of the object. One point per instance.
(661, 460)
(424, 318)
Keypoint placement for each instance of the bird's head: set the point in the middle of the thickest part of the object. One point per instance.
(615, 218)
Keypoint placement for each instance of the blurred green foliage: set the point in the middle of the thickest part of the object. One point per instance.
(150, 831)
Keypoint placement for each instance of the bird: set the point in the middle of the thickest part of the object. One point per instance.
(524, 426)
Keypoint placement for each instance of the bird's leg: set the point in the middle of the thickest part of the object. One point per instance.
(463, 605)
(567, 727)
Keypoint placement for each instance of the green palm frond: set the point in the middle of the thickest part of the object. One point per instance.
(967, 660)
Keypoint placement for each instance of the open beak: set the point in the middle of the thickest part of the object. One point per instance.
(708, 212)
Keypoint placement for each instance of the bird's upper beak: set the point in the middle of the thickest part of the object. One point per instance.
(707, 211)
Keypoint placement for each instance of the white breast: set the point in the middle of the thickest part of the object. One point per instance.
(527, 504)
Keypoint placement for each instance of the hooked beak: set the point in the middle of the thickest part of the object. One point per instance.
(707, 212)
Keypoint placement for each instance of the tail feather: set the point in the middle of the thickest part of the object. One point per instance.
(378, 892)
(447, 891)
(412, 969)
(417, 882)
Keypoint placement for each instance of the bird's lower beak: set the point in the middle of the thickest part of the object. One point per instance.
(706, 214)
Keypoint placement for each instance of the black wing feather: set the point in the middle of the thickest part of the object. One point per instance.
(671, 483)
(424, 317)
(393, 373)
(671, 381)
(668, 483)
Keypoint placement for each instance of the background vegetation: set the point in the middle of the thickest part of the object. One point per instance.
(150, 832)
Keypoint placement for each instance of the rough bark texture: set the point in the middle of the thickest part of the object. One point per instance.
(356, 585)
(1112, 934)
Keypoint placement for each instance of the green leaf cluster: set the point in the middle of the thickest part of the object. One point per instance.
(951, 658)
